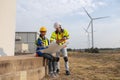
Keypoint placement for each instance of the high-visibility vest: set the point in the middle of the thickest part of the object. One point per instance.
(59, 36)
(45, 41)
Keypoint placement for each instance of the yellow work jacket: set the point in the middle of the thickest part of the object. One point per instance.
(58, 36)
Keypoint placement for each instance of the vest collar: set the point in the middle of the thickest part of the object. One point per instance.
(43, 38)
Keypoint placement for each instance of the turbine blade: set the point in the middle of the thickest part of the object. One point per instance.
(89, 25)
(87, 13)
(85, 30)
(101, 17)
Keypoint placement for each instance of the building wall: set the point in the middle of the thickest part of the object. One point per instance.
(7, 27)
(27, 38)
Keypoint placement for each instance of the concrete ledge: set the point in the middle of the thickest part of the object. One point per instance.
(21, 68)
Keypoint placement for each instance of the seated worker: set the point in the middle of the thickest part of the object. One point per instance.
(42, 42)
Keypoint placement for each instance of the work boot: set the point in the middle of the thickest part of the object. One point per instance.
(52, 75)
(56, 74)
(57, 71)
(67, 72)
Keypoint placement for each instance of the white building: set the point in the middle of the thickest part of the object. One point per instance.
(23, 39)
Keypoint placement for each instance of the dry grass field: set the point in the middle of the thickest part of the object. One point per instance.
(89, 66)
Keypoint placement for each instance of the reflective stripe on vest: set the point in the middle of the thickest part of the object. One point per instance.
(45, 41)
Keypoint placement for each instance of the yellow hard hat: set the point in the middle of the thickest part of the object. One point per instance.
(43, 28)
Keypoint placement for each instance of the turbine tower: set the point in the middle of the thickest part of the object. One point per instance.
(91, 24)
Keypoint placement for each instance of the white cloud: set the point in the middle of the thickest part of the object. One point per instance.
(51, 10)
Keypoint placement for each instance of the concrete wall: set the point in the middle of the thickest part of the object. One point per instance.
(7, 27)
(21, 68)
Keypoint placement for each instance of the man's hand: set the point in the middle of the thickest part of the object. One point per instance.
(59, 41)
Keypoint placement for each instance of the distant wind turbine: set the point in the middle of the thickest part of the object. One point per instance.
(88, 37)
(91, 24)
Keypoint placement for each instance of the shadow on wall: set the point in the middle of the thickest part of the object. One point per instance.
(2, 53)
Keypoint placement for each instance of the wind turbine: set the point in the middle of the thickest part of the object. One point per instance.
(91, 24)
(88, 36)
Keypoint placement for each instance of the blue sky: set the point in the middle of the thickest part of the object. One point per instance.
(31, 14)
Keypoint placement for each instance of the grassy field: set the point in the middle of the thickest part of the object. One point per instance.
(88, 66)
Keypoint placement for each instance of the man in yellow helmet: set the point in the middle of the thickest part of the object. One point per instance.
(60, 36)
(42, 42)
